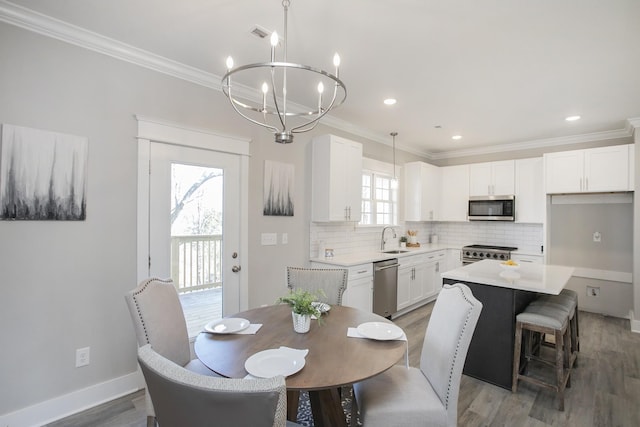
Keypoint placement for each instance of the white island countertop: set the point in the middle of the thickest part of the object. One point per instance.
(541, 278)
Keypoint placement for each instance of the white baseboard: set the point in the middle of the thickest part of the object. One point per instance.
(72, 403)
(635, 323)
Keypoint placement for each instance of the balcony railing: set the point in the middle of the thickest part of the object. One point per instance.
(196, 262)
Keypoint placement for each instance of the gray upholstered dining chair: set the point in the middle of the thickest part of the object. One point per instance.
(158, 320)
(183, 398)
(332, 281)
(427, 396)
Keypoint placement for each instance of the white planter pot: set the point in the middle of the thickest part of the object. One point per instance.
(301, 323)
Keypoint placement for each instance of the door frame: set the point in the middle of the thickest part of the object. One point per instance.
(153, 130)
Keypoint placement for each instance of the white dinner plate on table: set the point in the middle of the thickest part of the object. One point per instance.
(381, 331)
(228, 325)
(269, 363)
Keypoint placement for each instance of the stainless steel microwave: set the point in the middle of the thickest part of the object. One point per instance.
(492, 208)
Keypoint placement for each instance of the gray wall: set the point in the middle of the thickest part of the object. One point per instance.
(63, 283)
(570, 231)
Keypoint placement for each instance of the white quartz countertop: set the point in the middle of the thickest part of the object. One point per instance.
(541, 278)
(367, 257)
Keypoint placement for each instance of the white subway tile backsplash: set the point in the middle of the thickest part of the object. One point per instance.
(345, 239)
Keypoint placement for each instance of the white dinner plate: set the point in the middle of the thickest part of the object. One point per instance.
(380, 331)
(269, 363)
(228, 325)
(322, 306)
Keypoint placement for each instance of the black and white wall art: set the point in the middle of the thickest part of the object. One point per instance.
(43, 175)
(278, 188)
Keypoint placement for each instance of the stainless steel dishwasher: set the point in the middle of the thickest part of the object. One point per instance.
(385, 287)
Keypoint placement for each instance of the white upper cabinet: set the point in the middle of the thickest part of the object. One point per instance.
(454, 197)
(530, 196)
(493, 178)
(336, 183)
(421, 192)
(592, 170)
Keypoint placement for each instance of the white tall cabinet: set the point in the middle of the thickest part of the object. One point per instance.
(529, 191)
(493, 178)
(336, 183)
(591, 170)
(454, 195)
(422, 192)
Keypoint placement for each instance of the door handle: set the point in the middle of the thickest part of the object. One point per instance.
(236, 268)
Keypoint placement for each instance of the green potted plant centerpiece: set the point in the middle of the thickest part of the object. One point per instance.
(302, 308)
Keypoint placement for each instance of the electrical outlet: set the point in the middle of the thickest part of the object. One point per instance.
(597, 237)
(593, 291)
(82, 356)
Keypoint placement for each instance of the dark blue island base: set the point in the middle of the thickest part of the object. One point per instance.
(490, 355)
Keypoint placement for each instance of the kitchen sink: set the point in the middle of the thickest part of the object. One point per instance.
(395, 251)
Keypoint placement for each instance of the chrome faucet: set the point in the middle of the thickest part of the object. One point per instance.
(382, 241)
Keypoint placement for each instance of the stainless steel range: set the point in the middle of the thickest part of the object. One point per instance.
(473, 253)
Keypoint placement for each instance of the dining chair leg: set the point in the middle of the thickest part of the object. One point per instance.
(293, 400)
(326, 408)
(354, 409)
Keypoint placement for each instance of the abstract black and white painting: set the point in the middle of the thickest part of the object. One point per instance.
(278, 188)
(43, 175)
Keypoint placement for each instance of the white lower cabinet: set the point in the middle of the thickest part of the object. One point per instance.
(419, 277)
(359, 291)
(435, 264)
(405, 275)
(453, 260)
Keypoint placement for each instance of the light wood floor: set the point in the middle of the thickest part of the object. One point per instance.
(605, 385)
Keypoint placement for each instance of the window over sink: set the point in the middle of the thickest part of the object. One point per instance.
(379, 199)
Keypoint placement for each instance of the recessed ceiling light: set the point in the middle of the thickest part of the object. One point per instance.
(456, 137)
(572, 118)
(390, 101)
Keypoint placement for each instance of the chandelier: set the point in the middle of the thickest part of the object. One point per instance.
(274, 111)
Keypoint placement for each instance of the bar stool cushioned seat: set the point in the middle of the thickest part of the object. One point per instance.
(545, 318)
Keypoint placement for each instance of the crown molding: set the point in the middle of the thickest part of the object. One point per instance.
(632, 123)
(51, 27)
(538, 143)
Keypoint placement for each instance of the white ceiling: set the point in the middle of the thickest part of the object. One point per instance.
(498, 72)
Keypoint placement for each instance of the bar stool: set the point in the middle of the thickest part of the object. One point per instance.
(568, 301)
(575, 337)
(544, 319)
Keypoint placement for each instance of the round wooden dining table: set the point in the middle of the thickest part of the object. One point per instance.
(334, 360)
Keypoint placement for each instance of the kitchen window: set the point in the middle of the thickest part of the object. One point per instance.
(379, 199)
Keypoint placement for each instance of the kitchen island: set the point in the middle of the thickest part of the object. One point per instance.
(504, 293)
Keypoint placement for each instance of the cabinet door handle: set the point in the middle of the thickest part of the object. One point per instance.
(586, 184)
(361, 271)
